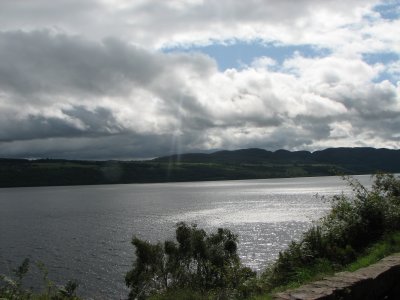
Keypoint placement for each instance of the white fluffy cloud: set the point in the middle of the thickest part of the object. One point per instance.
(157, 23)
(87, 80)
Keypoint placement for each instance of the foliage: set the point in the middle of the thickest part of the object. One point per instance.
(354, 223)
(388, 245)
(206, 265)
(13, 289)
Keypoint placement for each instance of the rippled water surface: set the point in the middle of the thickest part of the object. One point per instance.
(84, 232)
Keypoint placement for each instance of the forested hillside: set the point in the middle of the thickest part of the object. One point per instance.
(221, 165)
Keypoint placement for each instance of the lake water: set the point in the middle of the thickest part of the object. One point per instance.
(84, 232)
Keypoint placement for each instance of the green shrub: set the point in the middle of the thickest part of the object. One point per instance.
(353, 223)
(204, 264)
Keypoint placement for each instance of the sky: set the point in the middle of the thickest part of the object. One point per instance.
(119, 79)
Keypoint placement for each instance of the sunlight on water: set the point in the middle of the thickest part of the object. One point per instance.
(84, 232)
(274, 209)
(265, 226)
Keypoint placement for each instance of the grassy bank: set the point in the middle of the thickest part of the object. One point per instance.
(389, 244)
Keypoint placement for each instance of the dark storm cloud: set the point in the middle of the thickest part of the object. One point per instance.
(40, 62)
(99, 121)
(74, 122)
(123, 146)
(55, 86)
(37, 127)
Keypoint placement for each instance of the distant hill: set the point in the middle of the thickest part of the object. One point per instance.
(353, 159)
(221, 165)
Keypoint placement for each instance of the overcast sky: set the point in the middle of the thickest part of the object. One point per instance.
(119, 79)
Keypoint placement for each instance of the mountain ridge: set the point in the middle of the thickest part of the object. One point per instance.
(338, 155)
(251, 163)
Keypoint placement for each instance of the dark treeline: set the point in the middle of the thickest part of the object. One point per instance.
(221, 165)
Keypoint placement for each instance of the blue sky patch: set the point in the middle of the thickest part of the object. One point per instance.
(384, 76)
(389, 10)
(382, 57)
(240, 54)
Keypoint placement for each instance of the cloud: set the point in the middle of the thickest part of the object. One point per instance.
(394, 69)
(157, 23)
(186, 22)
(69, 64)
(90, 82)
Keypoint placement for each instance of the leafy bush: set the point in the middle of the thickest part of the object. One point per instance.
(353, 223)
(206, 265)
